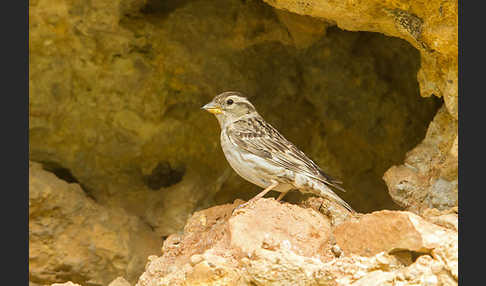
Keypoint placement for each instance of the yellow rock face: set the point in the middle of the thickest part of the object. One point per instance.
(71, 237)
(429, 26)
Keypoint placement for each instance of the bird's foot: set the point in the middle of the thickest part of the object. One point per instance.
(243, 205)
(239, 207)
(281, 196)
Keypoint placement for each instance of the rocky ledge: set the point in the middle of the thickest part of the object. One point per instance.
(272, 243)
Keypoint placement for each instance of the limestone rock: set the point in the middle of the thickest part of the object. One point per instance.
(69, 283)
(430, 27)
(209, 252)
(120, 281)
(304, 30)
(71, 237)
(448, 218)
(428, 177)
(271, 226)
(390, 231)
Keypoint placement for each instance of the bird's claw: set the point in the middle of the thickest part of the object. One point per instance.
(240, 206)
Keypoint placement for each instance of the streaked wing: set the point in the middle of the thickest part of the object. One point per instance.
(256, 136)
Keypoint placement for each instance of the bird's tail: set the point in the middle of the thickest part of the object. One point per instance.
(326, 192)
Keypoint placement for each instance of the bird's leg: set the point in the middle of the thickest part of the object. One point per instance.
(264, 192)
(282, 194)
(259, 196)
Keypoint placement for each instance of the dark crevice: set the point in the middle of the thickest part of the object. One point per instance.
(407, 257)
(162, 6)
(164, 175)
(416, 255)
(60, 171)
(66, 175)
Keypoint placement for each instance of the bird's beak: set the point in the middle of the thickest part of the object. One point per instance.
(212, 108)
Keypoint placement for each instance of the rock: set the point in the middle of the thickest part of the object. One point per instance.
(216, 258)
(120, 281)
(71, 237)
(272, 226)
(304, 30)
(69, 283)
(425, 271)
(389, 231)
(448, 219)
(428, 177)
(431, 28)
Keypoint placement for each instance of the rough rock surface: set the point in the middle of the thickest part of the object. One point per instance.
(429, 176)
(120, 281)
(71, 237)
(69, 283)
(116, 86)
(214, 251)
(431, 27)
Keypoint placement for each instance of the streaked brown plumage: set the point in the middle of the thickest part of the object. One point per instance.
(261, 155)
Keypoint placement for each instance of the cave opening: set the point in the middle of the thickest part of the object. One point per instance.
(349, 100)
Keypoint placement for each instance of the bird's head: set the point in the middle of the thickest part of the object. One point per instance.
(229, 106)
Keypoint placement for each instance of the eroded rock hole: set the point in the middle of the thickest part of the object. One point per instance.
(162, 7)
(60, 171)
(407, 257)
(163, 175)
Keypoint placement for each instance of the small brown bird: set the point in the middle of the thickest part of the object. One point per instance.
(262, 156)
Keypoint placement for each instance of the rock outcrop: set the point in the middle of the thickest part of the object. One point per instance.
(431, 27)
(269, 243)
(119, 281)
(429, 176)
(71, 237)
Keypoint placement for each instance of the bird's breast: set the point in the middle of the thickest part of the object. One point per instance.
(249, 166)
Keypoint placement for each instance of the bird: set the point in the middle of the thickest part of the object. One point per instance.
(261, 155)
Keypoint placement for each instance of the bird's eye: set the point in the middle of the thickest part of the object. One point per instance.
(229, 101)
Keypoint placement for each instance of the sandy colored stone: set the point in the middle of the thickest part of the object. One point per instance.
(428, 177)
(215, 240)
(304, 30)
(447, 218)
(71, 237)
(431, 27)
(389, 231)
(216, 259)
(119, 281)
(69, 283)
(270, 225)
(282, 267)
